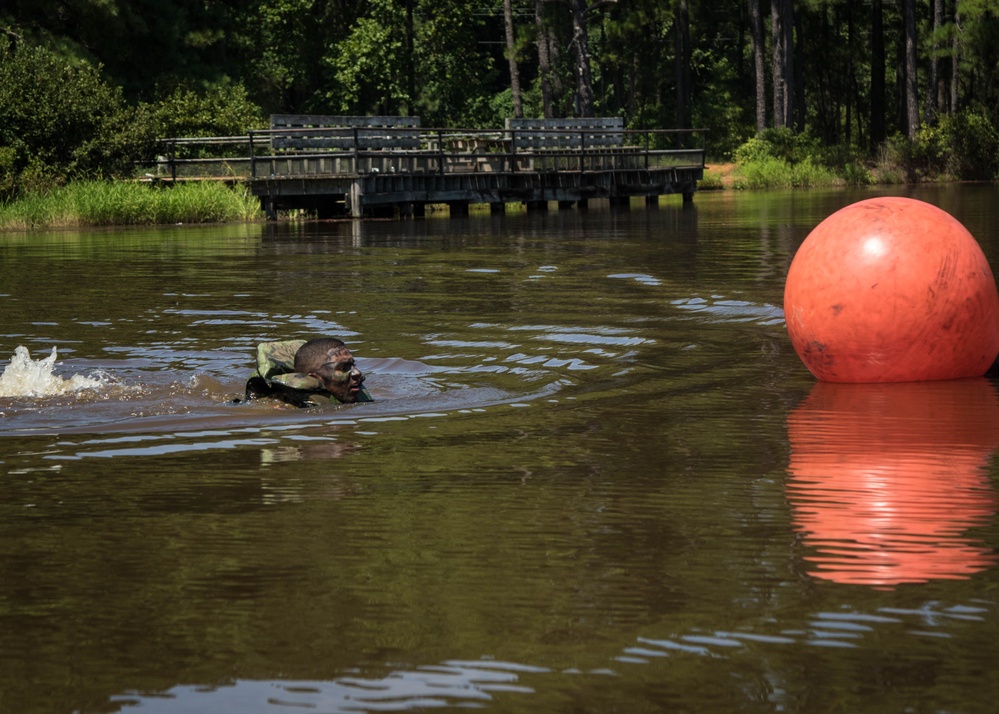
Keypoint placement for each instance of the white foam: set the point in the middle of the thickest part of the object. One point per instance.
(25, 377)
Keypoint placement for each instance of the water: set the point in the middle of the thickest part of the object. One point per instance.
(596, 477)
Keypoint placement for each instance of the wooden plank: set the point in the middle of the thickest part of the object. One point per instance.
(289, 121)
(572, 133)
(337, 132)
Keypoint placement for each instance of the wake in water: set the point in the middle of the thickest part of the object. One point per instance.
(25, 377)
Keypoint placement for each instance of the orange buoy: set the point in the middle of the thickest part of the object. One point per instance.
(888, 482)
(892, 290)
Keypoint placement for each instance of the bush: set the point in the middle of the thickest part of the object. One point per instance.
(857, 175)
(59, 120)
(783, 144)
(963, 146)
(972, 146)
(771, 172)
(219, 110)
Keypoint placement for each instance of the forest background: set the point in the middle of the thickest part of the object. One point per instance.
(875, 90)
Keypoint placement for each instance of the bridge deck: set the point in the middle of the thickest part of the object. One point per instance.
(360, 170)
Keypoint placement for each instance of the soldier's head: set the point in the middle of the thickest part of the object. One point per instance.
(328, 360)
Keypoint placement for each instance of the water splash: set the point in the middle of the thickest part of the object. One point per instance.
(25, 377)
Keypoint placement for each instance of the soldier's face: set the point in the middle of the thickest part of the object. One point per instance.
(340, 376)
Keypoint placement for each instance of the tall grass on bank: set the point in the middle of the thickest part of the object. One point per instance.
(110, 203)
(770, 172)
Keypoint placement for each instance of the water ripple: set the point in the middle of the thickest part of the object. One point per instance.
(843, 629)
(453, 683)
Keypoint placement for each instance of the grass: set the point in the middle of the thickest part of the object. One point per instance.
(713, 180)
(118, 203)
(770, 172)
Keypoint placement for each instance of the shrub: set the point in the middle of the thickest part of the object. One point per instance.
(220, 110)
(857, 175)
(972, 146)
(963, 146)
(59, 120)
(784, 144)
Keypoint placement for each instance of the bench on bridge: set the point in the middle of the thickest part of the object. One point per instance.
(321, 132)
(585, 133)
(559, 144)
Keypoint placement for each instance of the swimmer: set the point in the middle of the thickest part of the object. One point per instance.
(318, 372)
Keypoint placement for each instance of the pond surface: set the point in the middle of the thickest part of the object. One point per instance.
(596, 477)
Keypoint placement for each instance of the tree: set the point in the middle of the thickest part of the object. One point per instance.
(581, 53)
(681, 31)
(543, 38)
(933, 86)
(877, 82)
(759, 69)
(910, 77)
(511, 51)
(782, 31)
(368, 65)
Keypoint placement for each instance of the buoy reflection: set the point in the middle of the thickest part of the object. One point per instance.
(887, 479)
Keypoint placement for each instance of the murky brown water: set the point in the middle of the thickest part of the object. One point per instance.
(596, 477)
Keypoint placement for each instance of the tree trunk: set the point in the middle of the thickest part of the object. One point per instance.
(410, 58)
(681, 36)
(759, 70)
(911, 79)
(511, 52)
(797, 108)
(782, 30)
(933, 80)
(848, 124)
(581, 49)
(955, 57)
(544, 58)
(877, 74)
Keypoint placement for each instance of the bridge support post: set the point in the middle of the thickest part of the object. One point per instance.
(688, 197)
(267, 206)
(497, 208)
(537, 205)
(356, 205)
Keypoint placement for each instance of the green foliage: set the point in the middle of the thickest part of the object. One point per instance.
(59, 119)
(856, 174)
(973, 146)
(963, 146)
(783, 144)
(82, 93)
(456, 80)
(771, 172)
(220, 110)
(367, 65)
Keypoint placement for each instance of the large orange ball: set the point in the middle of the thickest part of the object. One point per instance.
(892, 290)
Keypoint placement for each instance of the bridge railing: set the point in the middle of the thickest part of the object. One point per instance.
(349, 152)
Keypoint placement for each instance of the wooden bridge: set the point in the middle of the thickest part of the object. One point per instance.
(362, 166)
